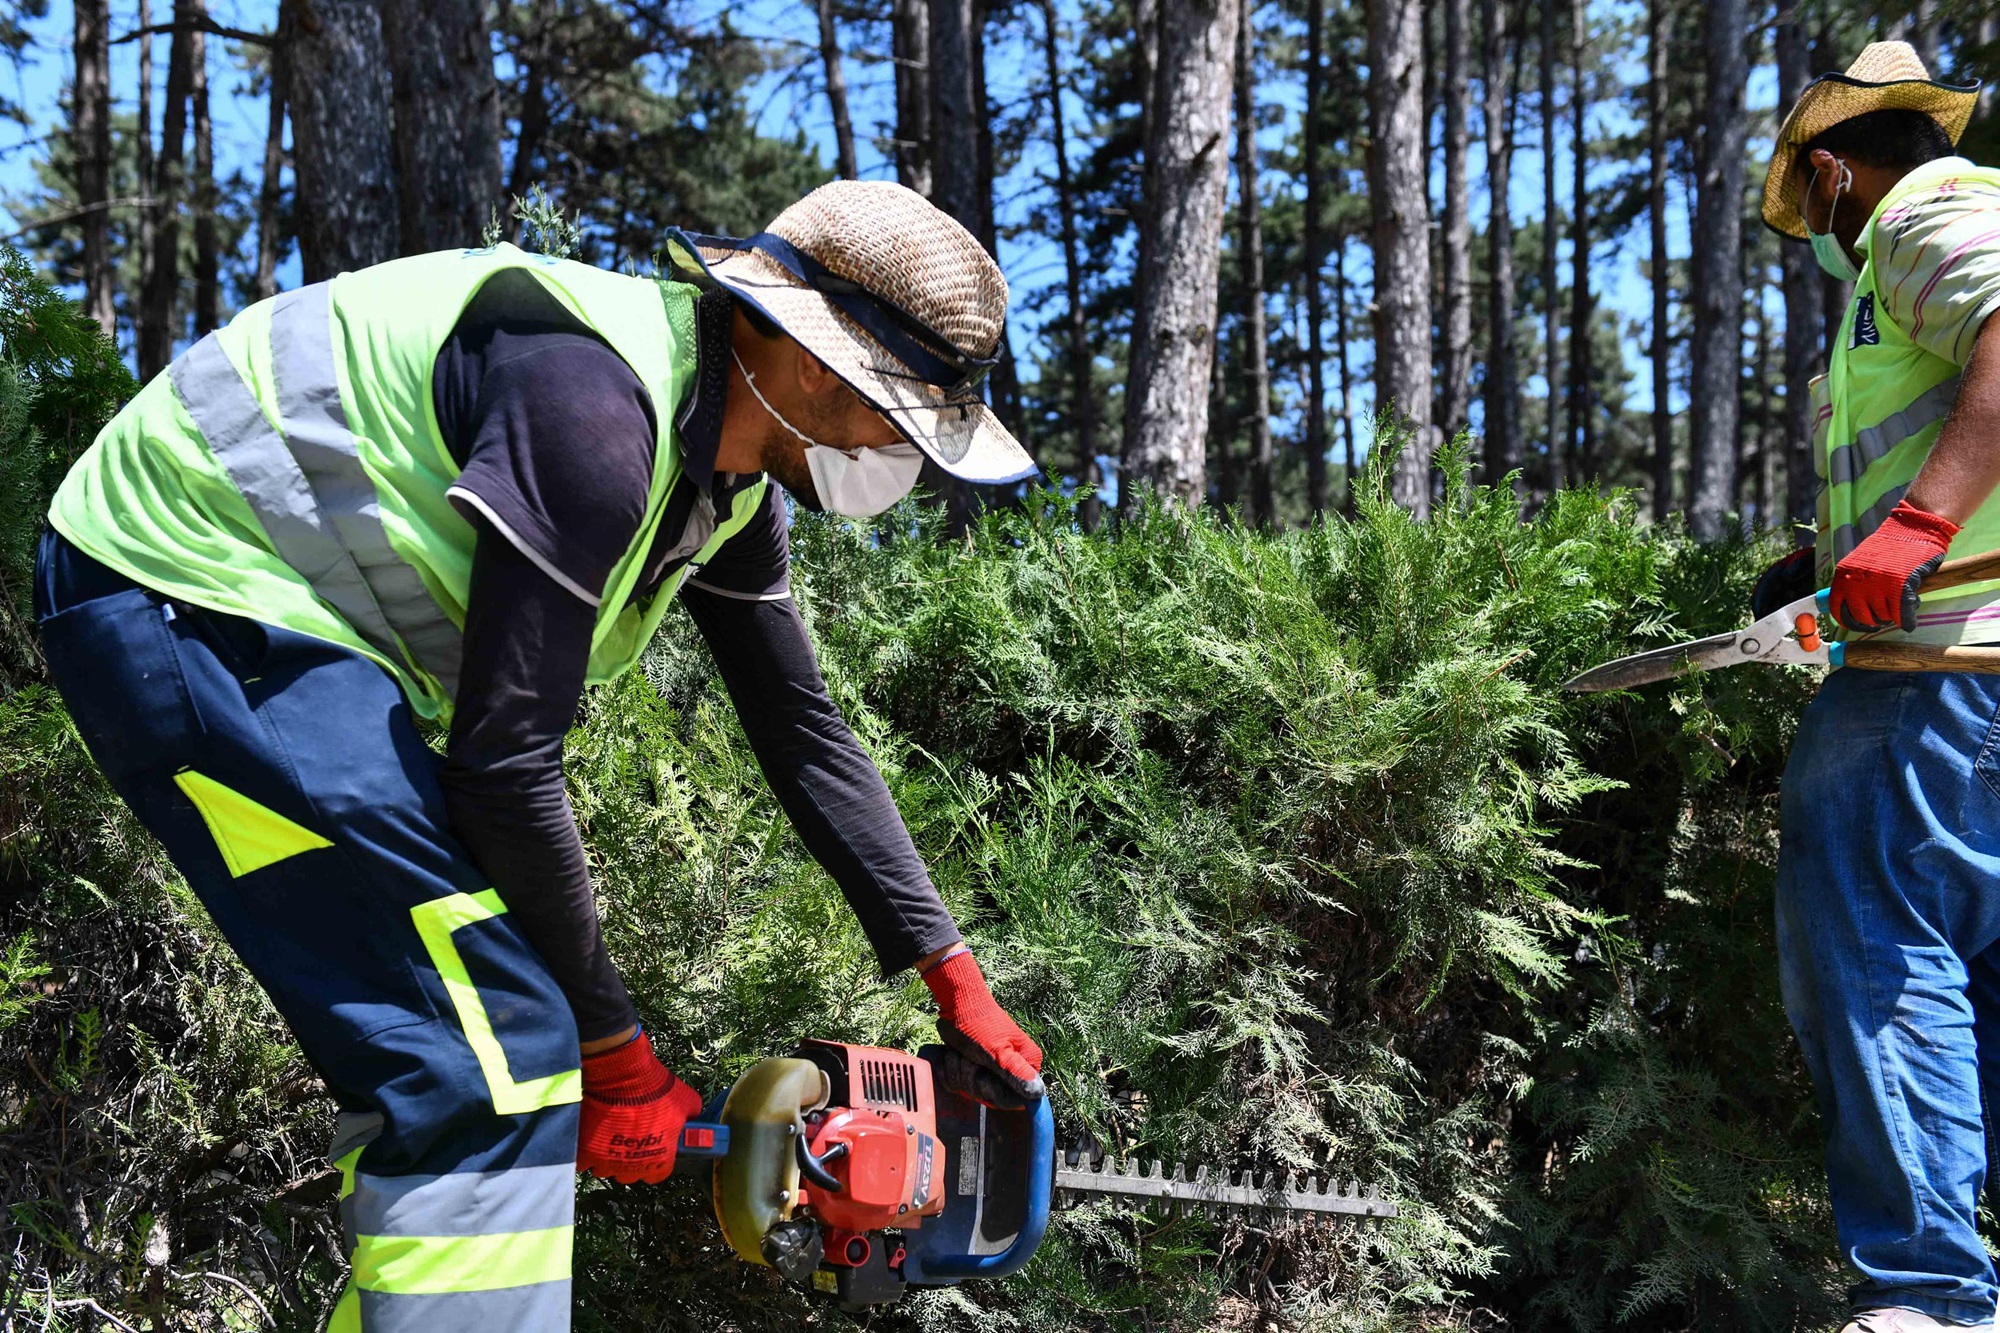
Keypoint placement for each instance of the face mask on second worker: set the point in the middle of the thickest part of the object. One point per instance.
(855, 483)
(1826, 247)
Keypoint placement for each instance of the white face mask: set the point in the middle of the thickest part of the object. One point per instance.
(864, 483)
(1826, 247)
(858, 483)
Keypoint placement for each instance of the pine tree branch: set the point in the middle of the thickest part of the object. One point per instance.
(204, 24)
(129, 201)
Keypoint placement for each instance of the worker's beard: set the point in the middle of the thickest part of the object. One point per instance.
(783, 454)
(783, 458)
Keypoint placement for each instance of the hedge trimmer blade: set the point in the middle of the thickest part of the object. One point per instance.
(1212, 1195)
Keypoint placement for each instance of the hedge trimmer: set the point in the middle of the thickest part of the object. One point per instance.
(857, 1171)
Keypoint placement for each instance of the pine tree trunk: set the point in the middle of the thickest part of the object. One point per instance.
(1986, 31)
(1802, 314)
(148, 186)
(343, 143)
(536, 57)
(1082, 398)
(1146, 56)
(1580, 415)
(1455, 400)
(269, 196)
(910, 43)
(955, 175)
(836, 94)
(164, 281)
(1315, 259)
(201, 194)
(1503, 438)
(90, 132)
(1656, 209)
(1173, 334)
(1551, 228)
(1005, 380)
(1924, 34)
(447, 121)
(1250, 245)
(1760, 399)
(1351, 454)
(1400, 206)
(955, 111)
(1716, 259)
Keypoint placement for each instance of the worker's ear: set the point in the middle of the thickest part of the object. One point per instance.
(814, 378)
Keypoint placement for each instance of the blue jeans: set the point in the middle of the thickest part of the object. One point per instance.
(1888, 915)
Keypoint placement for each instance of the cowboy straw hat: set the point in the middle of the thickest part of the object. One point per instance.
(1886, 76)
(896, 298)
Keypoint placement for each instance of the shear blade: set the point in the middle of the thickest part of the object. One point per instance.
(1659, 664)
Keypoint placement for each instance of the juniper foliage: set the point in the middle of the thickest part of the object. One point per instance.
(1284, 846)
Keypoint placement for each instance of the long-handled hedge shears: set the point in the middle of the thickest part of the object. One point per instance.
(1791, 635)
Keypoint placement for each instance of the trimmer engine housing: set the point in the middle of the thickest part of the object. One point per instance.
(835, 1171)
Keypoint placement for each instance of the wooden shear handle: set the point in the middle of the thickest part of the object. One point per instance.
(1874, 655)
(1966, 569)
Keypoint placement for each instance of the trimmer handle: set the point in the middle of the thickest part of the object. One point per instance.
(702, 1143)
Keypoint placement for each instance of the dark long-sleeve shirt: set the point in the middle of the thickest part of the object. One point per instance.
(554, 435)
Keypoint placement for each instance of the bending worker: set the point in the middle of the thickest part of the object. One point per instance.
(1888, 914)
(459, 487)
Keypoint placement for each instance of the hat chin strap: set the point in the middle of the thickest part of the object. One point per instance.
(750, 378)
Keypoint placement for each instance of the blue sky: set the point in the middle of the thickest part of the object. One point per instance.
(1030, 261)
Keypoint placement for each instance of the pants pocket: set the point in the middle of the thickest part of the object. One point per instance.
(118, 668)
(1987, 765)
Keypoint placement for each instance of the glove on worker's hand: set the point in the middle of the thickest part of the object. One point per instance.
(1875, 587)
(1786, 581)
(633, 1111)
(973, 1024)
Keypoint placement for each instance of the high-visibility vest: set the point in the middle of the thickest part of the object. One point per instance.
(1876, 417)
(289, 467)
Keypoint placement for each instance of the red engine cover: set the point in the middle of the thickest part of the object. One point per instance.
(881, 1130)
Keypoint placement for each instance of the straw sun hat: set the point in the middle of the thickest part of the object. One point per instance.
(1886, 76)
(896, 298)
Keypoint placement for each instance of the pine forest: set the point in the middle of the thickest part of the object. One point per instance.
(1386, 363)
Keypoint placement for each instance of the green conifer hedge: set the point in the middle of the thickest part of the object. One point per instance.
(1284, 846)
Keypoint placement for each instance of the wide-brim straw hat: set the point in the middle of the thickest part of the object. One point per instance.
(896, 298)
(1886, 76)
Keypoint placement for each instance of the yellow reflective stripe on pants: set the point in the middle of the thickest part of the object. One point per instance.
(436, 920)
(420, 1265)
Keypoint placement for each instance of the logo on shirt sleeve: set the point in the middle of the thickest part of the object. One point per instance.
(1865, 333)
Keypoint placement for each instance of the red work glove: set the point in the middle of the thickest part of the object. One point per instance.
(1875, 587)
(633, 1111)
(973, 1024)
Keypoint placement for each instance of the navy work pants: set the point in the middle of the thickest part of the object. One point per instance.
(286, 780)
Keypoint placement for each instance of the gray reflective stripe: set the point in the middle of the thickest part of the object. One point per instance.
(316, 430)
(272, 483)
(1847, 463)
(544, 1307)
(354, 1129)
(465, 1203)
(1849, 535)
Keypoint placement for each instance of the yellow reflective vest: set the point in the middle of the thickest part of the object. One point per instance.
(289, 467)
(1876, 416)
